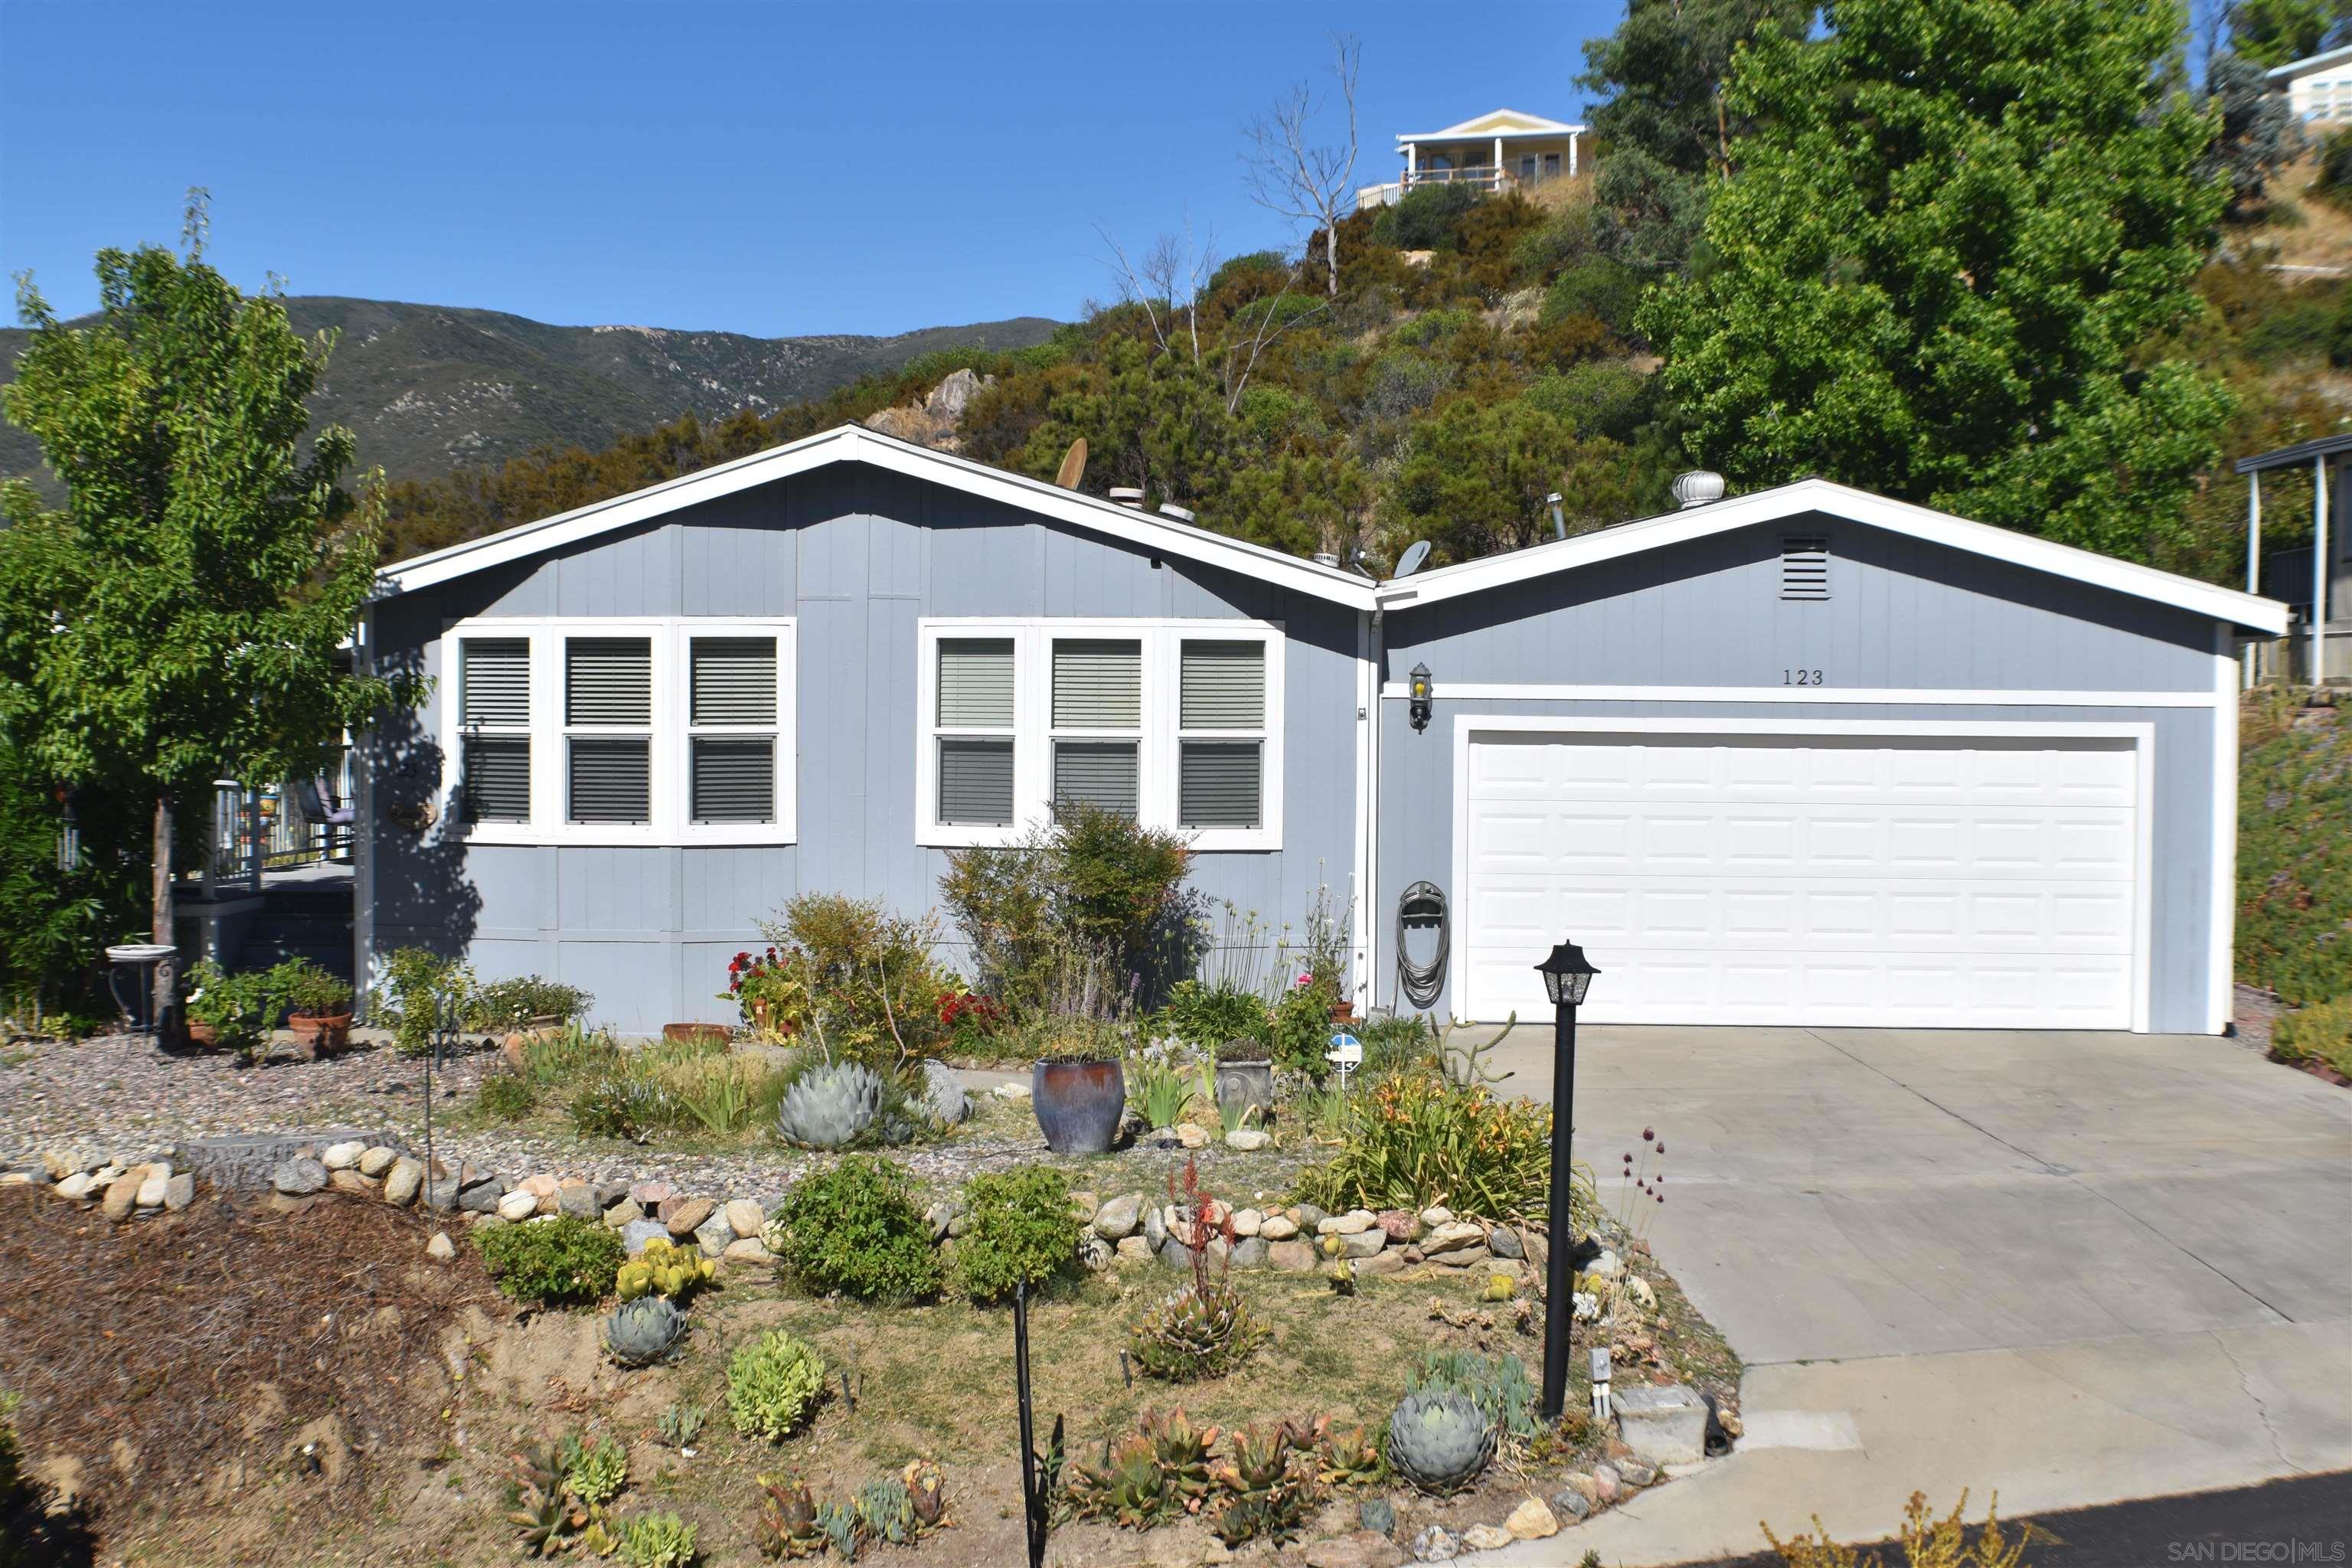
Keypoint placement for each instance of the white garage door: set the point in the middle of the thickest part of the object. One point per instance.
(1932, 881)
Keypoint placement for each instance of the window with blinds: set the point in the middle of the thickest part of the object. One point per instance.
(608, 685)
(494, 714)
(1221, 733)
(974, 730)
(1098, 686)
(731, 707)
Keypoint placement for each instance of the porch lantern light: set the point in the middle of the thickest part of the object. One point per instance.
(1419, 687)
(1567, 975)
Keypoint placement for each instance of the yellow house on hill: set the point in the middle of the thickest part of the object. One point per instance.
(1503, 150)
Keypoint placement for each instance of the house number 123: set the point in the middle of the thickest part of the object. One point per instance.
(1801, 678)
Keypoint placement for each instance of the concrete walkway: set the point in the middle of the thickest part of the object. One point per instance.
(2076, 1269)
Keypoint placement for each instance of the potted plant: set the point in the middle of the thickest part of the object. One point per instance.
(1244, 1080)
(228, 1012)
(1077, 1088)
(319, 1006)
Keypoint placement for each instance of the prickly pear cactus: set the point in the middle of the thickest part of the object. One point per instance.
(830, 1106)
(1440, 1441)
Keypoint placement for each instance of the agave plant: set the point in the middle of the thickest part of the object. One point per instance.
(1349, 1456)
(925, 1492)
(788, 1526)
(540, 1520)
(1129, 1487)
(1182, 1453)
(645, 1331)
(1267, 1486)
(1204, 1330)
(830, 1106)
(1440, 1440)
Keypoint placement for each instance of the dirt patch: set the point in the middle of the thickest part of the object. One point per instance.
(227, 1370)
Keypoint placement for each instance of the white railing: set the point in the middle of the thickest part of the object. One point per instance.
(259, 829)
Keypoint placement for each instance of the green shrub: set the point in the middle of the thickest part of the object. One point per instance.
(1020, 1230)
(1599, 287)
(1202, 1015)
(1394, 1043)
(2321, 1033)
(659, 1541)
(622, 1105)
(239, 1008)
(512, 1003)
(418, 986)
(571, 1055)
(302, 987)
(2295, 864)
(556, 1262)
(772, 1384)
(1418, 1138)
(506, 1096)
(1426, 219)
(1301, 1030)
(871, 979)
(2334, 182)
(1598, 397)
(856, 1229)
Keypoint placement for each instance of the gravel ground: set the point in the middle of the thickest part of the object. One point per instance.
(120, 1093)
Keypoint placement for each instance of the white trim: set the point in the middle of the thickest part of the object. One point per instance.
(1473, 691)
(1158, 761)
(2221, 958)
(851, 443)
(1363, 873)
(1444, 582)
(2141, 735)
(1462, 132)
(668, 735)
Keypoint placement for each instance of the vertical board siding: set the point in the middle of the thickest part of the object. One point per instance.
(857, 557)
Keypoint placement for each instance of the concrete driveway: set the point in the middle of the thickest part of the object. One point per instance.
(2075, 1268)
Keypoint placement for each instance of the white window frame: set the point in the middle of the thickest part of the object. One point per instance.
(670, 777)
(1034, 733)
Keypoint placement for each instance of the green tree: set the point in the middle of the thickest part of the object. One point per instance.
(1666, 133)
(2273, 32)
(1955, 231)
(178, 617)
(1474, 479)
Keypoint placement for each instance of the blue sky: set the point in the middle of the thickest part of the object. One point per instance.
(771, 169)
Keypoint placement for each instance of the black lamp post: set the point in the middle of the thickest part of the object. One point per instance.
(1567, 975)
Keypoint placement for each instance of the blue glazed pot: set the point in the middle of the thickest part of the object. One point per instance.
(1078, 1104)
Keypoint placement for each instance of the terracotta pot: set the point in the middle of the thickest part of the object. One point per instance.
(1244, 1086)
(318, 1034)
(1343, 1012)
(695, 1033)
(1078, 1104)
(203, 1034)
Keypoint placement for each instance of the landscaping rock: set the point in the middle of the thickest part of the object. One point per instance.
(1306, 1216)
(1634, 1473)
(1361, 1243)
(1248, 1139)
(1133, 1250)
(942, 1216)
(179, 1192)
(62, 1162)
(609, 1194)
(1437, 1215)
(1389, 1261)
(1249, 1252)
(1468, 1258)
(441, 1194)
(75, 1187)
(748, 1249)
(1192, 1136)
(1569, 1503)
(483, 1196)
(1364, 1548)
(517, 1205)
(1155, 1227)
(637, 1232)
(1531, 1521)
(651, 1195)
(539, 1186)
(1504, 1242)
(1663, 1426)
(1643, 1296)
(1012, 1091)
(1437, 1543)
(150, 1188)
(349, 1179)
(299, 1177)
(375, 1162)
(1608, 1265)
(1277, 1227)
(577, 1200)
(1175, 1254)
(1605, 1483)
(1399, 1224)
(1454, 1235)
(1355, 1222)
(1248, 1222)
(746, 1219)
(1116, 1219)
(714, 1235)
(344, 1155)
(1093, 1253)
(1485, 1537)
(686, 1216)
(623, 1215)
(943, 1095)
(1297, 1257)
(121, 1196)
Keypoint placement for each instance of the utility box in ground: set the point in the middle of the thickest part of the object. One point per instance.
(1663, 1425)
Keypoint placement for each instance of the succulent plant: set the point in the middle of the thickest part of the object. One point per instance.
(787, 1527)
(1440, 1440)
(541, 1470)
(1198, 1331)
(1182, 1453)
(645, 1331)
(885, 1510)
(925, 1492)
(839, 1524)
(664, 1269)
(1267, 1486)
(1129, 1487)
(830, 1106)
(596, 1475)
(1349, 1456)
(539, 1519)
(681, 1424)
(659, 1540)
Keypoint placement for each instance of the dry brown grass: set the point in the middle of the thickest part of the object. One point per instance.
(2321, 233)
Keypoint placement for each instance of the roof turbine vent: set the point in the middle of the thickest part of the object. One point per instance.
(1698, 487)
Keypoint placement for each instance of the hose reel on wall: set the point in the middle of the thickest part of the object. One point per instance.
(1422, 910)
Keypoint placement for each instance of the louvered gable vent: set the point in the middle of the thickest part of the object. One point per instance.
(1805, 568)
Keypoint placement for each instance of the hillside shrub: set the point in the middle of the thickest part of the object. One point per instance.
(2322, 1033)
(1595, 286)
(1426, 218)
(2295, 864)
(772, 1384)
(856, 1229)
(2334, 181)
(557, 1262)
(1020, 1230)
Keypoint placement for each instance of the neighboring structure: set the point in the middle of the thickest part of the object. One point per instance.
(1502, 151)
(2314, 580)
(1806, 756)
(2318, 88)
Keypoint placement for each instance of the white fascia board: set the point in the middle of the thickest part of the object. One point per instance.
(2308, 62)
(1539, 126)
(852, 443)
(1857, 506)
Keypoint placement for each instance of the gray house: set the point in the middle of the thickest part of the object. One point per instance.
(1800, 756)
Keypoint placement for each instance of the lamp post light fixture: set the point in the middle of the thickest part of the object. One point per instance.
(1418, 690)
(1567, 975)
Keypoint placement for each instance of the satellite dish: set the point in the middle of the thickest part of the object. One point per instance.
(1414, 556)
(1074, 465)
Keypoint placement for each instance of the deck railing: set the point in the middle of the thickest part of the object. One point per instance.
(257, 828)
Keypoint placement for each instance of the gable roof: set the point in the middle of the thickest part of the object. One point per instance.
(1843, 501)
(1166, 536)
(1487, 124)
(851, 443)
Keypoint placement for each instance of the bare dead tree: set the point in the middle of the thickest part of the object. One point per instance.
(1166, 284)
(1288, 174)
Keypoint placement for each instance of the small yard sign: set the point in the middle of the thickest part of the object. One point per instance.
(1347, 1054)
